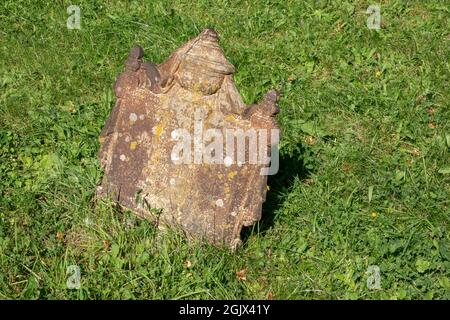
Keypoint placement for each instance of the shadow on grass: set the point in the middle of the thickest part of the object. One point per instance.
(292, 166)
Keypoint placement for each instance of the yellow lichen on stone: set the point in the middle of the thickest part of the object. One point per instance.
(232, 174)
(230, 117)
(159, 130)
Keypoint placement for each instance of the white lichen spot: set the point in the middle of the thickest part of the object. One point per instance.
(141, 117)
(133, 117)
(219, 202)
(172, 181)
(228, 161)
(123, 157)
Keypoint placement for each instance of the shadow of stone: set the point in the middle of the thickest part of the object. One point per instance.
(292, 166)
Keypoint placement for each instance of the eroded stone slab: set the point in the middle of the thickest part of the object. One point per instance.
(180, 146)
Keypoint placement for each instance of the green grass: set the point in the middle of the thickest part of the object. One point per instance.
(365, 166)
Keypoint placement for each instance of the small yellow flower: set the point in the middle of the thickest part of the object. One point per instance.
(378, 74)
(374, 214)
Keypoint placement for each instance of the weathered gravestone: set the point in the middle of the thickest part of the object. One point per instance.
(181, 140)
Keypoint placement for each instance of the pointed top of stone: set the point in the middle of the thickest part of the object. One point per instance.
(206, 52)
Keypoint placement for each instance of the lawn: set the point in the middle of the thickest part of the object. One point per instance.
(363, 191)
